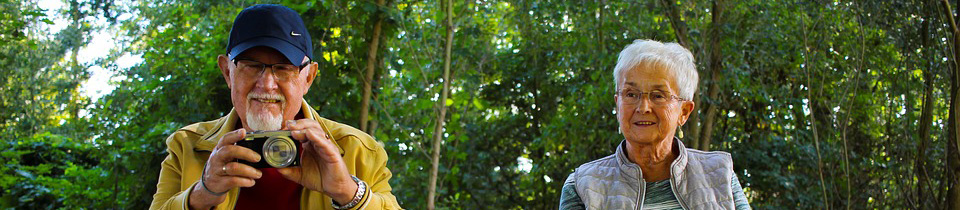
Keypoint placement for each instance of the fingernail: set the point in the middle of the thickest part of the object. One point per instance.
(291, 122)
(259, 174)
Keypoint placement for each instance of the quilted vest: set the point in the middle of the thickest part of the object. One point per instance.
(700, 180)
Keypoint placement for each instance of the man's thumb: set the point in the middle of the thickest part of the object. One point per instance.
(290, 173)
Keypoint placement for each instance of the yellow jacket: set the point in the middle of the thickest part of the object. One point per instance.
(190, 146)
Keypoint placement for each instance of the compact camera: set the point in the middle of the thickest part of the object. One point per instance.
(277, 149)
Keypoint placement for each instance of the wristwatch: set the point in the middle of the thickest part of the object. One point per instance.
(361, 189)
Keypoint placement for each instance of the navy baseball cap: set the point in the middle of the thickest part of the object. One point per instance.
(274, 26)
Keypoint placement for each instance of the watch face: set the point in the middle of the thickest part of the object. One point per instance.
(279, 151)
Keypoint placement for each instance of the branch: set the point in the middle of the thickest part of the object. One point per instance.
(813, 119)
(675, 20)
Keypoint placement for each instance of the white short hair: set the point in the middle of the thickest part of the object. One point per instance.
(672, 56)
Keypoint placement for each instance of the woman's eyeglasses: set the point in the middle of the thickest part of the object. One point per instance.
(633, 97)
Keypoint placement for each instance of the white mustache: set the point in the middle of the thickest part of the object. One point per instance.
(265, 120)
(266, 96)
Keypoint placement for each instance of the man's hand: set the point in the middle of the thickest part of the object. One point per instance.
(222, 173)
(320, 162)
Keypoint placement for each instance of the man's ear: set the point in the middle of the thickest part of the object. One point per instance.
(224, 63)
(311, 74)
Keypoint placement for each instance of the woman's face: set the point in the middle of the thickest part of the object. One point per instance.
(646, 122)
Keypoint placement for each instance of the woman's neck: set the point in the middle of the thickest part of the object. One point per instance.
(654, 159)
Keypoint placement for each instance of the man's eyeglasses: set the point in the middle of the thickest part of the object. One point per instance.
(253, 68)
(659, 98)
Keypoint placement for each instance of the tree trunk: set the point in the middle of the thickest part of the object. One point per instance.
(680, 30)
(600, 47)
(371, 65)
(442, 103)
(716, 63)
(693, 124)
(953, 159)
(926, 119)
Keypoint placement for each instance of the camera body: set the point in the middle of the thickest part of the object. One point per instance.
(277, 149)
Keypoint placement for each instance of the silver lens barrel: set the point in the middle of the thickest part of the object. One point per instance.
(279, 151)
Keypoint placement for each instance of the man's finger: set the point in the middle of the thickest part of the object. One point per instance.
(318, 138)
(232, 137)
(298, 135)
(230, 152)
(290, 173)
(239, 182)
(242, 170)
(301, 124)
(322, 146)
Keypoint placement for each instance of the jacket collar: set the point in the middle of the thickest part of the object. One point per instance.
(676, 168)
(228, 123)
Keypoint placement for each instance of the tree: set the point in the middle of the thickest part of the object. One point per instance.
(371, 65)
(953, 145)
(442, 104)
(43, 154)
(716, 63)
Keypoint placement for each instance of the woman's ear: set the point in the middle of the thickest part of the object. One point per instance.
(616, 100)
(686, 108)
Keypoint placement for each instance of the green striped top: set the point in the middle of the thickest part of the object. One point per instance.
(660, 196)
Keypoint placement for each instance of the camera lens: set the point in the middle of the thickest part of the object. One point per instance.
(279, 151)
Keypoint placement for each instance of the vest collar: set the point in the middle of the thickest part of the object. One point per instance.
(676, 168)
(680, 164)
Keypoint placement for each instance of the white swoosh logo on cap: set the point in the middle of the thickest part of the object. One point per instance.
(294, 34)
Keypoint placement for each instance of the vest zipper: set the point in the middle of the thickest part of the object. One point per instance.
(643, 189)
(673, 188)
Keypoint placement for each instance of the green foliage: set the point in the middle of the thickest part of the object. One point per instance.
(47, 171)
(531, 98)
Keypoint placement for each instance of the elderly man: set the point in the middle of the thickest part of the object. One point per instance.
(268, 68)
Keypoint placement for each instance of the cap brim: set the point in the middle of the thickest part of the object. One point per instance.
(293, 54)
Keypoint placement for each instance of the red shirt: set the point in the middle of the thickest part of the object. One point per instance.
(272, 191)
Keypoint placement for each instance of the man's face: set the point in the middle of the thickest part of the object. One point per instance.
(265, 99)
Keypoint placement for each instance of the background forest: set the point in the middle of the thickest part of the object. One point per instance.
(823, 104)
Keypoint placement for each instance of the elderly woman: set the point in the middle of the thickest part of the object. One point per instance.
(651, 169)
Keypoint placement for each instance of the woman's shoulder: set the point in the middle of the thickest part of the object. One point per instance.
(604, 161)
(599, 167)
(705, 155)
(709, 161)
